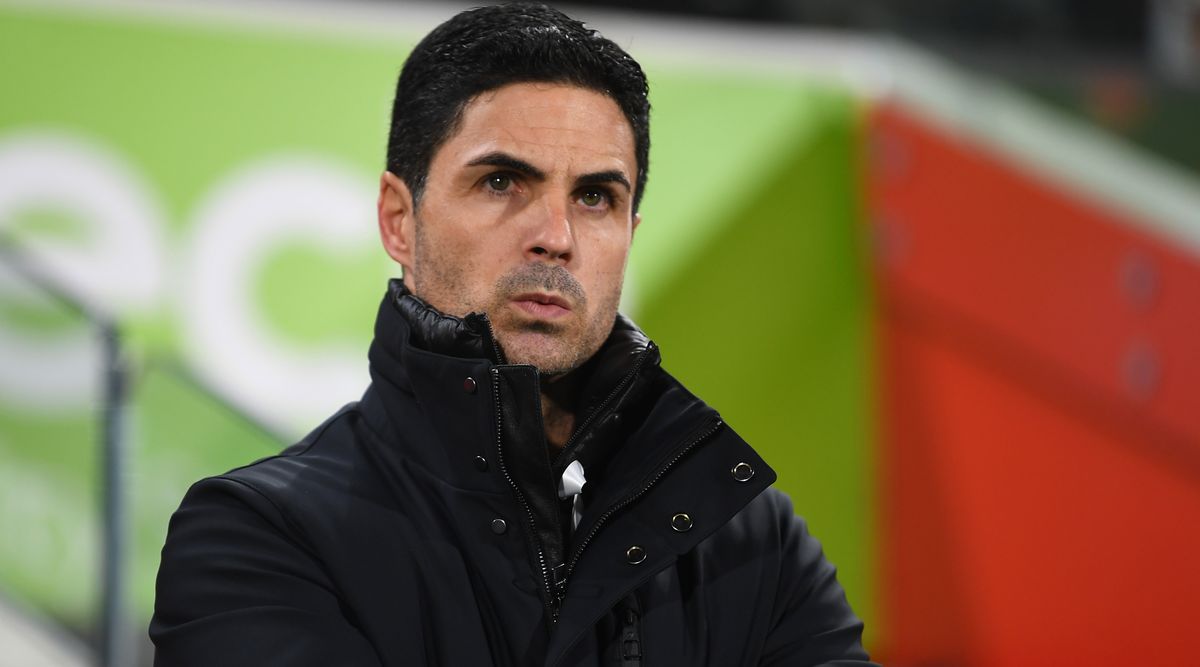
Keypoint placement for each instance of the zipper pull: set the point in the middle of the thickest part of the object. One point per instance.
(558, 592)
(631, 635)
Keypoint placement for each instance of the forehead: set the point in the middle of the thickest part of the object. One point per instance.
(558, 123)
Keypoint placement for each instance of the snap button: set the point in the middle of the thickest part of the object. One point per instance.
(635, 554)
(742, 472)
(469, 385)
(499, 526)
(481, 464)
(681, 523)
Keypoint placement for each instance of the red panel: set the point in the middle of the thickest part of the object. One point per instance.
(1081, 287)
(1040, 465)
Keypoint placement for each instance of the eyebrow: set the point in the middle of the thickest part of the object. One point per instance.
(601, 177)
(498, 159)
(506, 161)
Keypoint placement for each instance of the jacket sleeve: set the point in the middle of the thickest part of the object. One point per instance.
(236, 587)
(812, 623)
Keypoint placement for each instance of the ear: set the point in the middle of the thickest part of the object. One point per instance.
(396, 220)
(637, 220)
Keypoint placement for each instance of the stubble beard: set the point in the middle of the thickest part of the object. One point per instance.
(554, 348)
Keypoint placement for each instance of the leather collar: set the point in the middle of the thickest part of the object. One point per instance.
(617, 376)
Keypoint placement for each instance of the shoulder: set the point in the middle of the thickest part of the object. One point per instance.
(768, 524)
(273, 510)
(326, 457)
(787, 561)
(772, 505)
(326, 464)
(244, 559)
(810, 617)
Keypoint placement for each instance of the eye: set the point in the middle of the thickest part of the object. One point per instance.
(498, 182)
(593, 198)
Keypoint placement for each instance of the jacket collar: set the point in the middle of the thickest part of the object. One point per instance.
(405, 322)
(412, 337)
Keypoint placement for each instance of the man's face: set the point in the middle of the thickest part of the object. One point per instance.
(526, 216)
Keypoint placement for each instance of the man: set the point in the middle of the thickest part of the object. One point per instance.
(522, 483)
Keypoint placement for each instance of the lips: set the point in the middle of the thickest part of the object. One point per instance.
(542, 305)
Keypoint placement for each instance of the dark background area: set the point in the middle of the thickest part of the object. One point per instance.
(1052, 23)
(1094, 60)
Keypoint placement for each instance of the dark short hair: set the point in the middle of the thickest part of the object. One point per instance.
(490, 47)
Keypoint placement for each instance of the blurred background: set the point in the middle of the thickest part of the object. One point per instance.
(939, 261)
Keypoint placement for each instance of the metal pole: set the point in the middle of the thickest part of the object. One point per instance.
(115, 627)
(116, 647)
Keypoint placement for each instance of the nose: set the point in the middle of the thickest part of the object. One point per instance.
(552, 238)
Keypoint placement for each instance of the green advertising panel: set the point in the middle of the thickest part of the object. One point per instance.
(212, 185)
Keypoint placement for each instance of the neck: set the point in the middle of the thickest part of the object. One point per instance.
(560, 398)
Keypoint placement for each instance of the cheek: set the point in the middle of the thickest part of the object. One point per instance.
(612, 250)
(465, 249)
(606, 271)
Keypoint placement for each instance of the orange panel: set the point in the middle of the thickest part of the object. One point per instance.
(1080, 287)
(1019, 531)
(1040, 463)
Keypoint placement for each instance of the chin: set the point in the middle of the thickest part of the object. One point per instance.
(547, 361)
(552, 354)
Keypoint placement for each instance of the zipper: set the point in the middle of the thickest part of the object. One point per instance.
(559, 576)
(554, 598)
(612, 395)
(495, 346)
(616, 507)
(631, 637)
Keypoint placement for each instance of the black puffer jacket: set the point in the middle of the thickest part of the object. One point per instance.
(422, 526)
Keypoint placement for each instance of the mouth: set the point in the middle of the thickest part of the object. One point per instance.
(542, 305)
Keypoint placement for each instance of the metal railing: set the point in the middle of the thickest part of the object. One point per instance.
(115, 629)
(115, 638)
